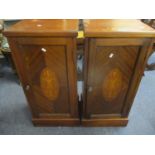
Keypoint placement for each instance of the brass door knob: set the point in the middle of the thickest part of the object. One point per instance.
(27, 87)
(90, 89)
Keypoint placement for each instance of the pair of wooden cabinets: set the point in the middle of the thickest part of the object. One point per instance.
(115, 54)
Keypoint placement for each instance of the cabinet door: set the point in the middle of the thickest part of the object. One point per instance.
(48, 73)
(110, 67)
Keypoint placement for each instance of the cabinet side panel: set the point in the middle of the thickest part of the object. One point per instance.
(21, 73)
(137, 75)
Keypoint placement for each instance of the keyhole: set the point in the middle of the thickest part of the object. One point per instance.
(111, 55)
(43, 50)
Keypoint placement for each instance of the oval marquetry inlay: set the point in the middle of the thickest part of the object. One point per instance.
(112, 85)
(49, 84)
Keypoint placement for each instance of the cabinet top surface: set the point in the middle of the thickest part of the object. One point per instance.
(44, 27)
(117, 28)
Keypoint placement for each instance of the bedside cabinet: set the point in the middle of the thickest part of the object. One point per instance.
(44, 52)
(115, 57)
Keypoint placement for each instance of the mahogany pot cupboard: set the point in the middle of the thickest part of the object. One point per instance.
(44, 53)
(115, 55)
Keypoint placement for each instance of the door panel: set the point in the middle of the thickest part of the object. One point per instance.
(110, 70)
(49, 76)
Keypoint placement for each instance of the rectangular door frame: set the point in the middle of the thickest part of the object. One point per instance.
(91, 43)
(70, 44)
